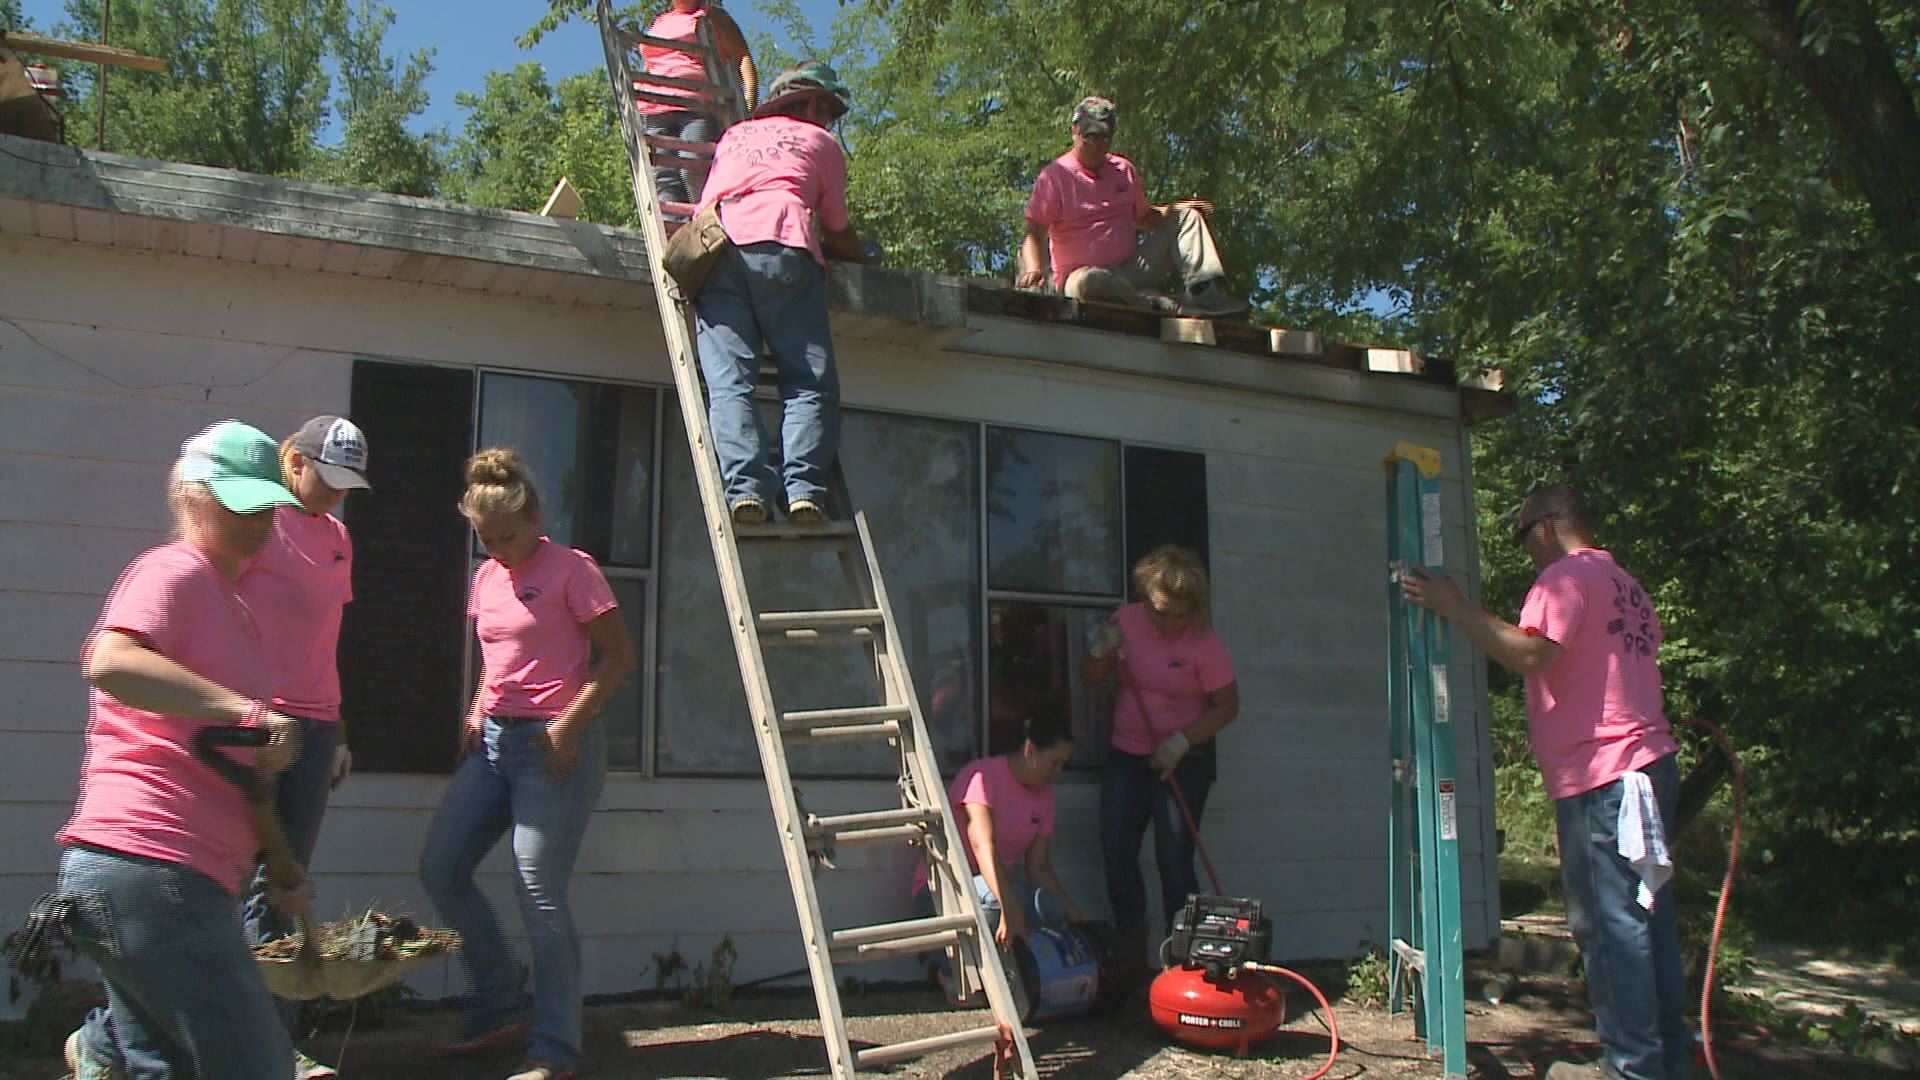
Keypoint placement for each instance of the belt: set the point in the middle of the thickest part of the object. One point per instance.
(509, 721)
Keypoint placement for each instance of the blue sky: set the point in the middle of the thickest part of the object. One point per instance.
(474, 37)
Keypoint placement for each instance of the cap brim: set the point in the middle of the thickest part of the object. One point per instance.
(339, 477)
(1094, 127)
(244, 496)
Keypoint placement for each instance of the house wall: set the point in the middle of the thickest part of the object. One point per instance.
(109, 358)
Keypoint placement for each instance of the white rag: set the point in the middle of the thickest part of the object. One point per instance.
(1643, 838)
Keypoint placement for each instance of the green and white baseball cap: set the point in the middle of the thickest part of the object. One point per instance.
(240, 464)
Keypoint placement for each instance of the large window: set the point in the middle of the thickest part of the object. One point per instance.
(1002, 550)
(591, 448)
(917, 480)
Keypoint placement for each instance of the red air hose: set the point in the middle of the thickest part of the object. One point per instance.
(1726, 891)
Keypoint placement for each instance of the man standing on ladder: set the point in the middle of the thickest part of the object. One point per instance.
(781, 182)
(1585, 646)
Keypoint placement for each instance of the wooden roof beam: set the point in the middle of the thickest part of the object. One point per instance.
(80, 50)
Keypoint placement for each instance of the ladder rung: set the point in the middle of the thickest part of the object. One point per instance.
(677, 209)
(904, 930)
(933, 1044)
(860, 636)
(888, 729)
(633, 39)
(643, 78)
(867, 819)
(786, 530)
(819, 620)
(858, 714)
(698, 103)
(696, 147)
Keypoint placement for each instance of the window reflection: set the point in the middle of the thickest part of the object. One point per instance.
(1053, 513)
(1034, 654)
(622, 711)
(590, 448)
(917, 479)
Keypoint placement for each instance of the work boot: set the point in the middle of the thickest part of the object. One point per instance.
(1208, 298)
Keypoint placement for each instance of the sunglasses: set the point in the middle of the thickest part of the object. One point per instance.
(1525, 527)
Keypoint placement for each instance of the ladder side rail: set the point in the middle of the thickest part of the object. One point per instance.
(787, 818)
(1399, 854)
(926, 770)
(1445, 960)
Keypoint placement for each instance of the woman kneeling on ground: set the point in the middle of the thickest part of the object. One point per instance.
(160, 842)
(1005, 803)
(553, 646)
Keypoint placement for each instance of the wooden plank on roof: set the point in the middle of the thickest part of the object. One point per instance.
(81, 50)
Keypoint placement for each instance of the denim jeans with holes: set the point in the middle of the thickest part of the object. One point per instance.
(185, 1000)
(1635, 980)
(503, 786)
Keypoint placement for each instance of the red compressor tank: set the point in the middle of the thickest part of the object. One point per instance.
(1217, 1014)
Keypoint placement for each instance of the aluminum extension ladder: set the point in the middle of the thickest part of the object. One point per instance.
(922, 816)
(1423, 830)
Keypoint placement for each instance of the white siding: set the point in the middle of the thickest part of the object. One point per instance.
(94, 403)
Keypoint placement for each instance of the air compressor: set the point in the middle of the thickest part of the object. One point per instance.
(1211, 993)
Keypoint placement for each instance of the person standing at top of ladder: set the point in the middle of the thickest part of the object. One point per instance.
(1585, 645)
(781, 182)
(680, 22)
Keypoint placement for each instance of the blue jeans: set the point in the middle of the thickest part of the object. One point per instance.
(300, 800)
(769, 296)
(185, 1000)
(1635, 980)
(504, 783)
(681, 184)
(1043, 908)
(1131, 795)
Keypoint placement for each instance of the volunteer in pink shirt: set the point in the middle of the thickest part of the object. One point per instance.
(1089, 217)
(1176, 693)
(1586, 646)
(781, 182)
(296, 588)
(681, 22)
(160, 844)
(1006, 808)
(553, 646)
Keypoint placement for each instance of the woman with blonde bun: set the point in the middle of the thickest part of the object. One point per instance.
(553, 646)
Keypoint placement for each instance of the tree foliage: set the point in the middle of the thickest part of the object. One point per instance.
(524, 133)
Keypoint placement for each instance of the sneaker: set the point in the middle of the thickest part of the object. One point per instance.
(83, 1065)
(805, 512)
(1207, 298)
(1567, 1070)
(305, 1068)
(534, 1070)
(486, 1042)
(748, 511)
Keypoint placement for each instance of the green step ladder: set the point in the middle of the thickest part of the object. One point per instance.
(1423, 828)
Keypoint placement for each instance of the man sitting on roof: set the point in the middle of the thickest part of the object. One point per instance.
(1086, 208)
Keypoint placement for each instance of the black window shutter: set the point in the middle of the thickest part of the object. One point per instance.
(403, 637)
(1166, 502)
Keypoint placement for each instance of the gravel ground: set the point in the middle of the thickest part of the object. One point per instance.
(776, 1036)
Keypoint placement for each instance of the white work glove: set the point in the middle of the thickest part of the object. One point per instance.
(283, 742)
(1167, 756)
(1105, 641)
(342, 766)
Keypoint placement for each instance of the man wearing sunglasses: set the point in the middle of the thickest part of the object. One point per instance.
(1585, 645)
(1089, 216)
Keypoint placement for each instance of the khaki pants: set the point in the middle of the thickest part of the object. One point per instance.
(1183, 243)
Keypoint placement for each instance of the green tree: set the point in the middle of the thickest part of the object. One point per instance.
(378, 98)
(524, 133)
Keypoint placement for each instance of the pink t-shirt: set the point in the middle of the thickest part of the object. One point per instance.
(295, 588)
(778, 175)
(679, 26)
(1595, 713)
(1171, 677)
(1020, 814)
(533, 646)
(1089, 217)
(142, 790)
